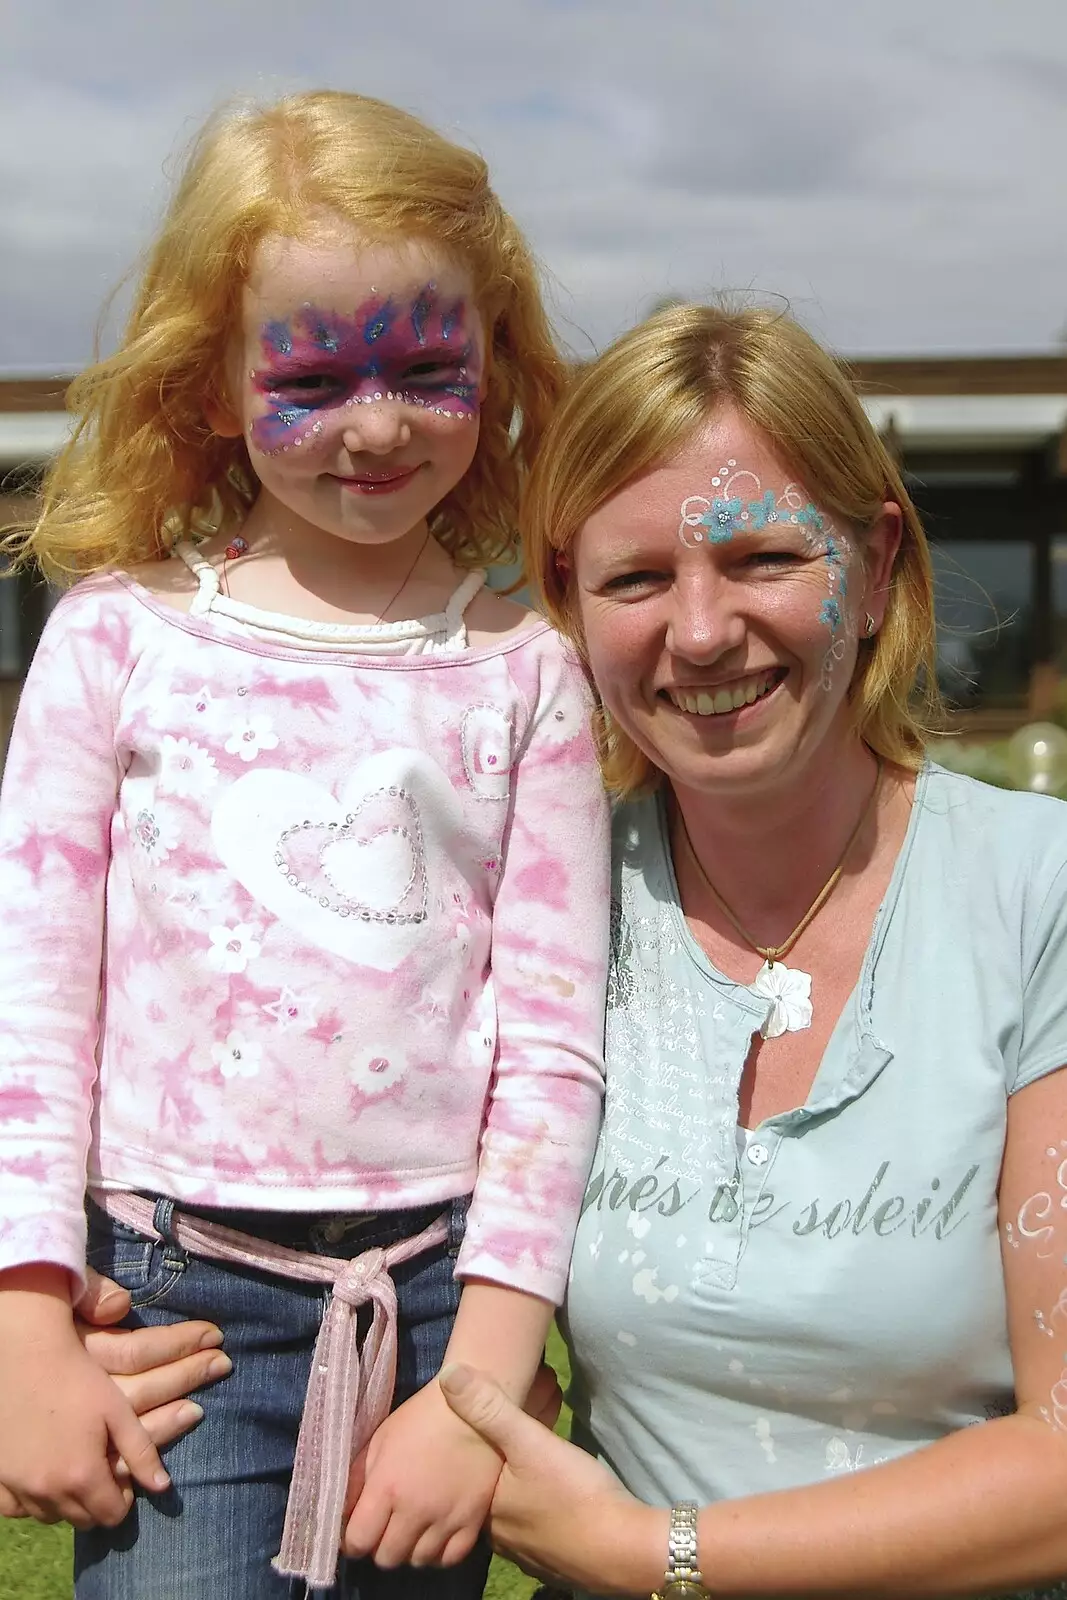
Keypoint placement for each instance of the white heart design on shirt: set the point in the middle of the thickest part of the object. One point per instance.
(359, 874)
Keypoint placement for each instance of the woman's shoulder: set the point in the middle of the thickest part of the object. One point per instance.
(1005, 838)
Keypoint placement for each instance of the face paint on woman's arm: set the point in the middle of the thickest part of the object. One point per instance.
(424, 353)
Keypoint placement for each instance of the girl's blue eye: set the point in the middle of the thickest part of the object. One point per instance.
(307, 383)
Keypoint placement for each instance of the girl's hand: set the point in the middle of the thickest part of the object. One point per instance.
(60, 1415)
(556, 1511)
(424, 1485)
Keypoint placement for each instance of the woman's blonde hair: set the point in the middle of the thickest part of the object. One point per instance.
(143, 466)
(634, 408)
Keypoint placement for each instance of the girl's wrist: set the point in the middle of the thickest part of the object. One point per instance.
(34, 1299)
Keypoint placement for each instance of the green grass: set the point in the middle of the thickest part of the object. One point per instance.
(35, 1562)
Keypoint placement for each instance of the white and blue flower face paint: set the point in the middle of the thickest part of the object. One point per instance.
(739, 505)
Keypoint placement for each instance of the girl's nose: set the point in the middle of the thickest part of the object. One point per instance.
(376, 428)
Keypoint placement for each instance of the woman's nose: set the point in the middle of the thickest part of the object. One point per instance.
(704, 622)
(376, 428)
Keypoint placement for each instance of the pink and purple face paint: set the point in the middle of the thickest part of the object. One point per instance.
(740, 505)
(423, 352)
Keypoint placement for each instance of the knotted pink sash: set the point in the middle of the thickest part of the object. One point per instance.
(347, 1399)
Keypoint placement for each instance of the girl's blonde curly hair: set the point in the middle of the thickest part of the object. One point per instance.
(144, 468)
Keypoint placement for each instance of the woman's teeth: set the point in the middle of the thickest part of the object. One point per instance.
(714, 703)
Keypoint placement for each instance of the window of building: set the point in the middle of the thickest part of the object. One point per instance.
(984, 599)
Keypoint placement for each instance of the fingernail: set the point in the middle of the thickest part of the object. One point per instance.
(161, 1480)
(111, 1297)
(189, 1413)
(219, 1366)
(455, 1377)
(211, 1339)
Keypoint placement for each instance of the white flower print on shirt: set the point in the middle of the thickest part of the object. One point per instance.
(237, 1057)
(250, 737)
(375, 1071)
(155, 829)
(186, 768)
(233, 948)
(564, 723)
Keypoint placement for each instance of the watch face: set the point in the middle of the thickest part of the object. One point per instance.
(682, 1589)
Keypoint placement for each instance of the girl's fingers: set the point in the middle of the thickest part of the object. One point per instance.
(460, 1545)
(10, 1505)
(130, 1441)
(394, 1547)
(366, 1527)
(428, 1550)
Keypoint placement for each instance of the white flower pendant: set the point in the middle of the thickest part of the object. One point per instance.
(789, 991)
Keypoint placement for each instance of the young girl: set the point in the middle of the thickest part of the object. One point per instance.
(303, 867)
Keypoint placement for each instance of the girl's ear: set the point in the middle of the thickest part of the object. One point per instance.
(219, 414)
(221, 418)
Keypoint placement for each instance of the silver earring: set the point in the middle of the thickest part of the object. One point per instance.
(869, 627)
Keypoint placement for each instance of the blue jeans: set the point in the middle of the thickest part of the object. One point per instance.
(211, 1536)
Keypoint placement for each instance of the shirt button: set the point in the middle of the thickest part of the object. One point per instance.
(758, 1154)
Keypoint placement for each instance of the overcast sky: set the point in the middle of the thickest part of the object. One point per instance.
(897, 170)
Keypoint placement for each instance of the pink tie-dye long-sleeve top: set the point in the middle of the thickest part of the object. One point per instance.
(299, 932)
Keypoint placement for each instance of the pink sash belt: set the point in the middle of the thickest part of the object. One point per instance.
(345, 1402)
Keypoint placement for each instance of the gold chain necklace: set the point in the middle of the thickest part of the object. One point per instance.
(788, 988)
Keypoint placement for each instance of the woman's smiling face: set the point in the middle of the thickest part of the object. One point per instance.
(722, 609)
(359, 381)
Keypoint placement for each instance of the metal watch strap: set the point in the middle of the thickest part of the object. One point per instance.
(683, 1576)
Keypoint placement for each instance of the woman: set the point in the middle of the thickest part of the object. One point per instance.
(827, 1221)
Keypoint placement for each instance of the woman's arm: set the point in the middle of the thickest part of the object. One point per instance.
(979, 1512)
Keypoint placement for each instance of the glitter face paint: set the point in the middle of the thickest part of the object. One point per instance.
(741, 505)
(422, 352)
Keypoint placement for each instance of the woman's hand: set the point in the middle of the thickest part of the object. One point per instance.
(154, 1367)
(63, 1422)
(557, 1512)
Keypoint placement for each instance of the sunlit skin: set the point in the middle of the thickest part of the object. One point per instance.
(329, 323)
(665, 616)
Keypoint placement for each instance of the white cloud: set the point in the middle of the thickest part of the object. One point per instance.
(895, 171)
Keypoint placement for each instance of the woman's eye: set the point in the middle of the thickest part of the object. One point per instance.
(630, 580)
(772, 558)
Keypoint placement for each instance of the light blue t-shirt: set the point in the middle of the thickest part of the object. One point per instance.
(754, 1311)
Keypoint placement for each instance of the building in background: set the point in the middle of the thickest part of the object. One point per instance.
(983, 444)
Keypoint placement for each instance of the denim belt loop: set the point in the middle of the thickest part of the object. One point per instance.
(163, 1220)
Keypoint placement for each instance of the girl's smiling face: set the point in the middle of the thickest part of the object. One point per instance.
(722, 610)
(360, 380)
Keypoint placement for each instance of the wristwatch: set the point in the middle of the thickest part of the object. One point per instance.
(683, 1579)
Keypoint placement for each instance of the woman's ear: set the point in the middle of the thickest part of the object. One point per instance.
(880, 553)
